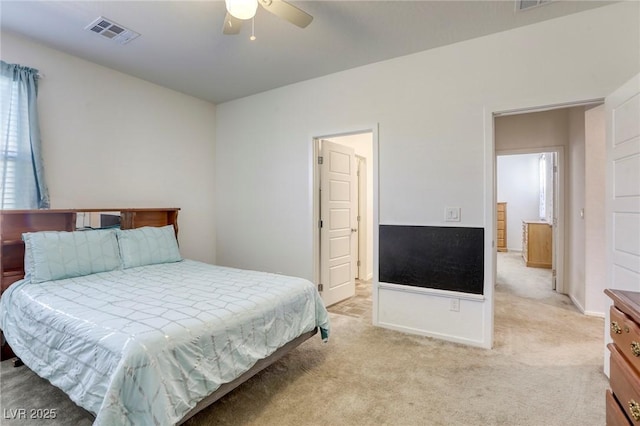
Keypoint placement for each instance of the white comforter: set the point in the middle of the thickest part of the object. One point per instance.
(144, 345)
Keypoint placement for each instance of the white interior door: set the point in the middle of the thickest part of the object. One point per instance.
(338, 211)
(622, 206)
(623, 175)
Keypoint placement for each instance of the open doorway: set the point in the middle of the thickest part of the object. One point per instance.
(527, 224)
(344, 240)
(566, 135)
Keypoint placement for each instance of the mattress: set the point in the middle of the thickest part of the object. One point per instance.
(144, 345)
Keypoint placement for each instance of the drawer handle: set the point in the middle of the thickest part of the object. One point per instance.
(615, 328)
(634, 409)
(635, 348)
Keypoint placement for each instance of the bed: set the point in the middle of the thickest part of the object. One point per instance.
(135, 334)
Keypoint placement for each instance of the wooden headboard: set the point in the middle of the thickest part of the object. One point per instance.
(13, 223)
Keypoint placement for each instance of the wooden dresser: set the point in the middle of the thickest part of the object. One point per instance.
(536, 243)
(501, 226)
(623, 399)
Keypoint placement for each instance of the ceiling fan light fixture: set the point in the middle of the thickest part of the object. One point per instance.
(242, 9)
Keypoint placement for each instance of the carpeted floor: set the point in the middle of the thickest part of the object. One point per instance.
(545, 369)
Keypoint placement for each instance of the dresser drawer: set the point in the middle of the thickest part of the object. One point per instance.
(615, 415)
(625, 384)
(626, 335)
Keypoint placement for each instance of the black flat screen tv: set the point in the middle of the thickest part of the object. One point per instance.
(109, 221)
(444, 258)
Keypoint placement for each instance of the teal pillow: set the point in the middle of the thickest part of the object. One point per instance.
(28, 264)
(148, 245)
(51, 255)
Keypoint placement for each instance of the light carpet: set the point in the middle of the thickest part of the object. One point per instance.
(545, 369)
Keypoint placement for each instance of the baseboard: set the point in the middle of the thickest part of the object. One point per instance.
(577, 304)
(583, 310)
(439, 336)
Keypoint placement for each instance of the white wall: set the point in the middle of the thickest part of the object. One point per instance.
(432, 109)
(542, 129)
(362, 143)
(575, 271)
(595, 242)
(111, 140)
(518, 184)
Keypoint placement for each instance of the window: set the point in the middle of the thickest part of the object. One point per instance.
(11, 111)
(21, 175)
(542, 163)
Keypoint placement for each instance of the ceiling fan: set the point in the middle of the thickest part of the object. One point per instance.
(241, 10)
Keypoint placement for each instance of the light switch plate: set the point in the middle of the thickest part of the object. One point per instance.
(455, 305)
(452, 214)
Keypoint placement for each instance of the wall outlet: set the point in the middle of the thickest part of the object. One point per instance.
(452, 214)
(455, 305)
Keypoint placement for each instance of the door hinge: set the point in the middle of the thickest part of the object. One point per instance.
(320, 224)
(359, 263)
(320, 287)
(555, 169)
(320, 160)
(553, 273)
(358, 218)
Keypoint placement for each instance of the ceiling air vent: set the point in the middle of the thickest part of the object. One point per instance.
(528, 4)
(109, 29)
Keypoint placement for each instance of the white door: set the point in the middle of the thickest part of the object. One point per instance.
(338, 211)
(622, 111)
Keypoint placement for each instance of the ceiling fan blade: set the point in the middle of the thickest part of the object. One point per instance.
(232, 25)
(287, 11)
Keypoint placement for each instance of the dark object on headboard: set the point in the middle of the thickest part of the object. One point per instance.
(109, 221)
(444, 258)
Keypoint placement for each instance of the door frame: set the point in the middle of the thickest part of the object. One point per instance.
(315, 203)
(362, 222)
(557, 255)
(491, 236)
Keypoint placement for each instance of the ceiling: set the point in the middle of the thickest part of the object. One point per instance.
(182, 46)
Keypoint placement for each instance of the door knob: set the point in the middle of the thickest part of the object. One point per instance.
(354, 230)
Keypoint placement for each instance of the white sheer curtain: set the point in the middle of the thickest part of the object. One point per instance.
(22, 184)
(542, 164)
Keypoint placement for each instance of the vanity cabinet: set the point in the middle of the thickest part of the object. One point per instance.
(537, 243)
